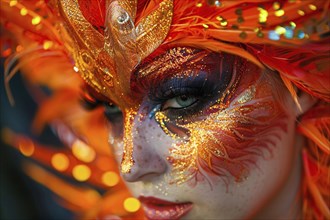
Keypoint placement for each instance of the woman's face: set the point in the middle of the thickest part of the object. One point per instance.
(213, 136)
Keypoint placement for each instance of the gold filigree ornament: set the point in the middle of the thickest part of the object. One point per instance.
(106, 61)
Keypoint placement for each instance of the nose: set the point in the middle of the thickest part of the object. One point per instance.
(148, 162)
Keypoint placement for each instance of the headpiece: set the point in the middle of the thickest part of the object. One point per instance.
(112, 37)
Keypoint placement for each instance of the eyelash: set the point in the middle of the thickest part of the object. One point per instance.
(90, 103)
(206, 96)
(207, 92)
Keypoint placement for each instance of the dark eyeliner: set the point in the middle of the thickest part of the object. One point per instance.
(205, 92)
(112, 113)
(89, 103)
(179, 86)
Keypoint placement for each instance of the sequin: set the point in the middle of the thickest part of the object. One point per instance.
(260, 34)
(12, 3)
(288, 32)
(217, 3)
(280, 30)
(47, 45)
(223, 22)
(279, 13)
(293, 25)
(276, 5)
(300, 34)
(23, 11)
(312, 7)
(240, 19)
(205, 26)
(301, 12)
(263, 15)
(238, 11)
(243, 35)
(36, 20)
(273, 35)
(219, 18)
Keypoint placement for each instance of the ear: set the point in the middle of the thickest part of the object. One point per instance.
(304, 103)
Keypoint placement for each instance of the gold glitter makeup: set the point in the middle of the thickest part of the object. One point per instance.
(247, 96)
(174, 60)
(228, 140)
(127, 160)
(162, 119)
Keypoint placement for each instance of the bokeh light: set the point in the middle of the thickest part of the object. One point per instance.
(279, 13)
(81, 172)
(36, 20)
(60, 161)
(47, 44)
(110, 178)
(12, 3)
(83, 152)
(132, 204)
(26, 147)
(23, 11)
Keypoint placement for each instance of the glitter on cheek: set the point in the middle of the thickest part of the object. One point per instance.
(227, 142)
(247, 95)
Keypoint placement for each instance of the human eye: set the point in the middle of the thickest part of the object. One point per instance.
(179, 102)
(112, 112)
(187, 97)
(90, 101)
(114, 116)
(185, 100)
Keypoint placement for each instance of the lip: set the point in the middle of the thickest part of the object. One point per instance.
(159, 209)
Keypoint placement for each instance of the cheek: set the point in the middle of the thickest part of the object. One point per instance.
(117, 146)
(230, 142)
(115, 138)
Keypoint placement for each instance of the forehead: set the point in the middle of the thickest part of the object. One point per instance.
(204, 25)
(177, 61)
(173, 60)
(180, 62)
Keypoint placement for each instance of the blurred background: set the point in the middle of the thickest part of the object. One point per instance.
(21, 197)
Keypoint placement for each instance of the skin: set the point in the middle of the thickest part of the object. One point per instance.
(268, 187)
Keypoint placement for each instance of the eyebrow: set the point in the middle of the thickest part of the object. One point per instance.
(170, 62)
(178, 62)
